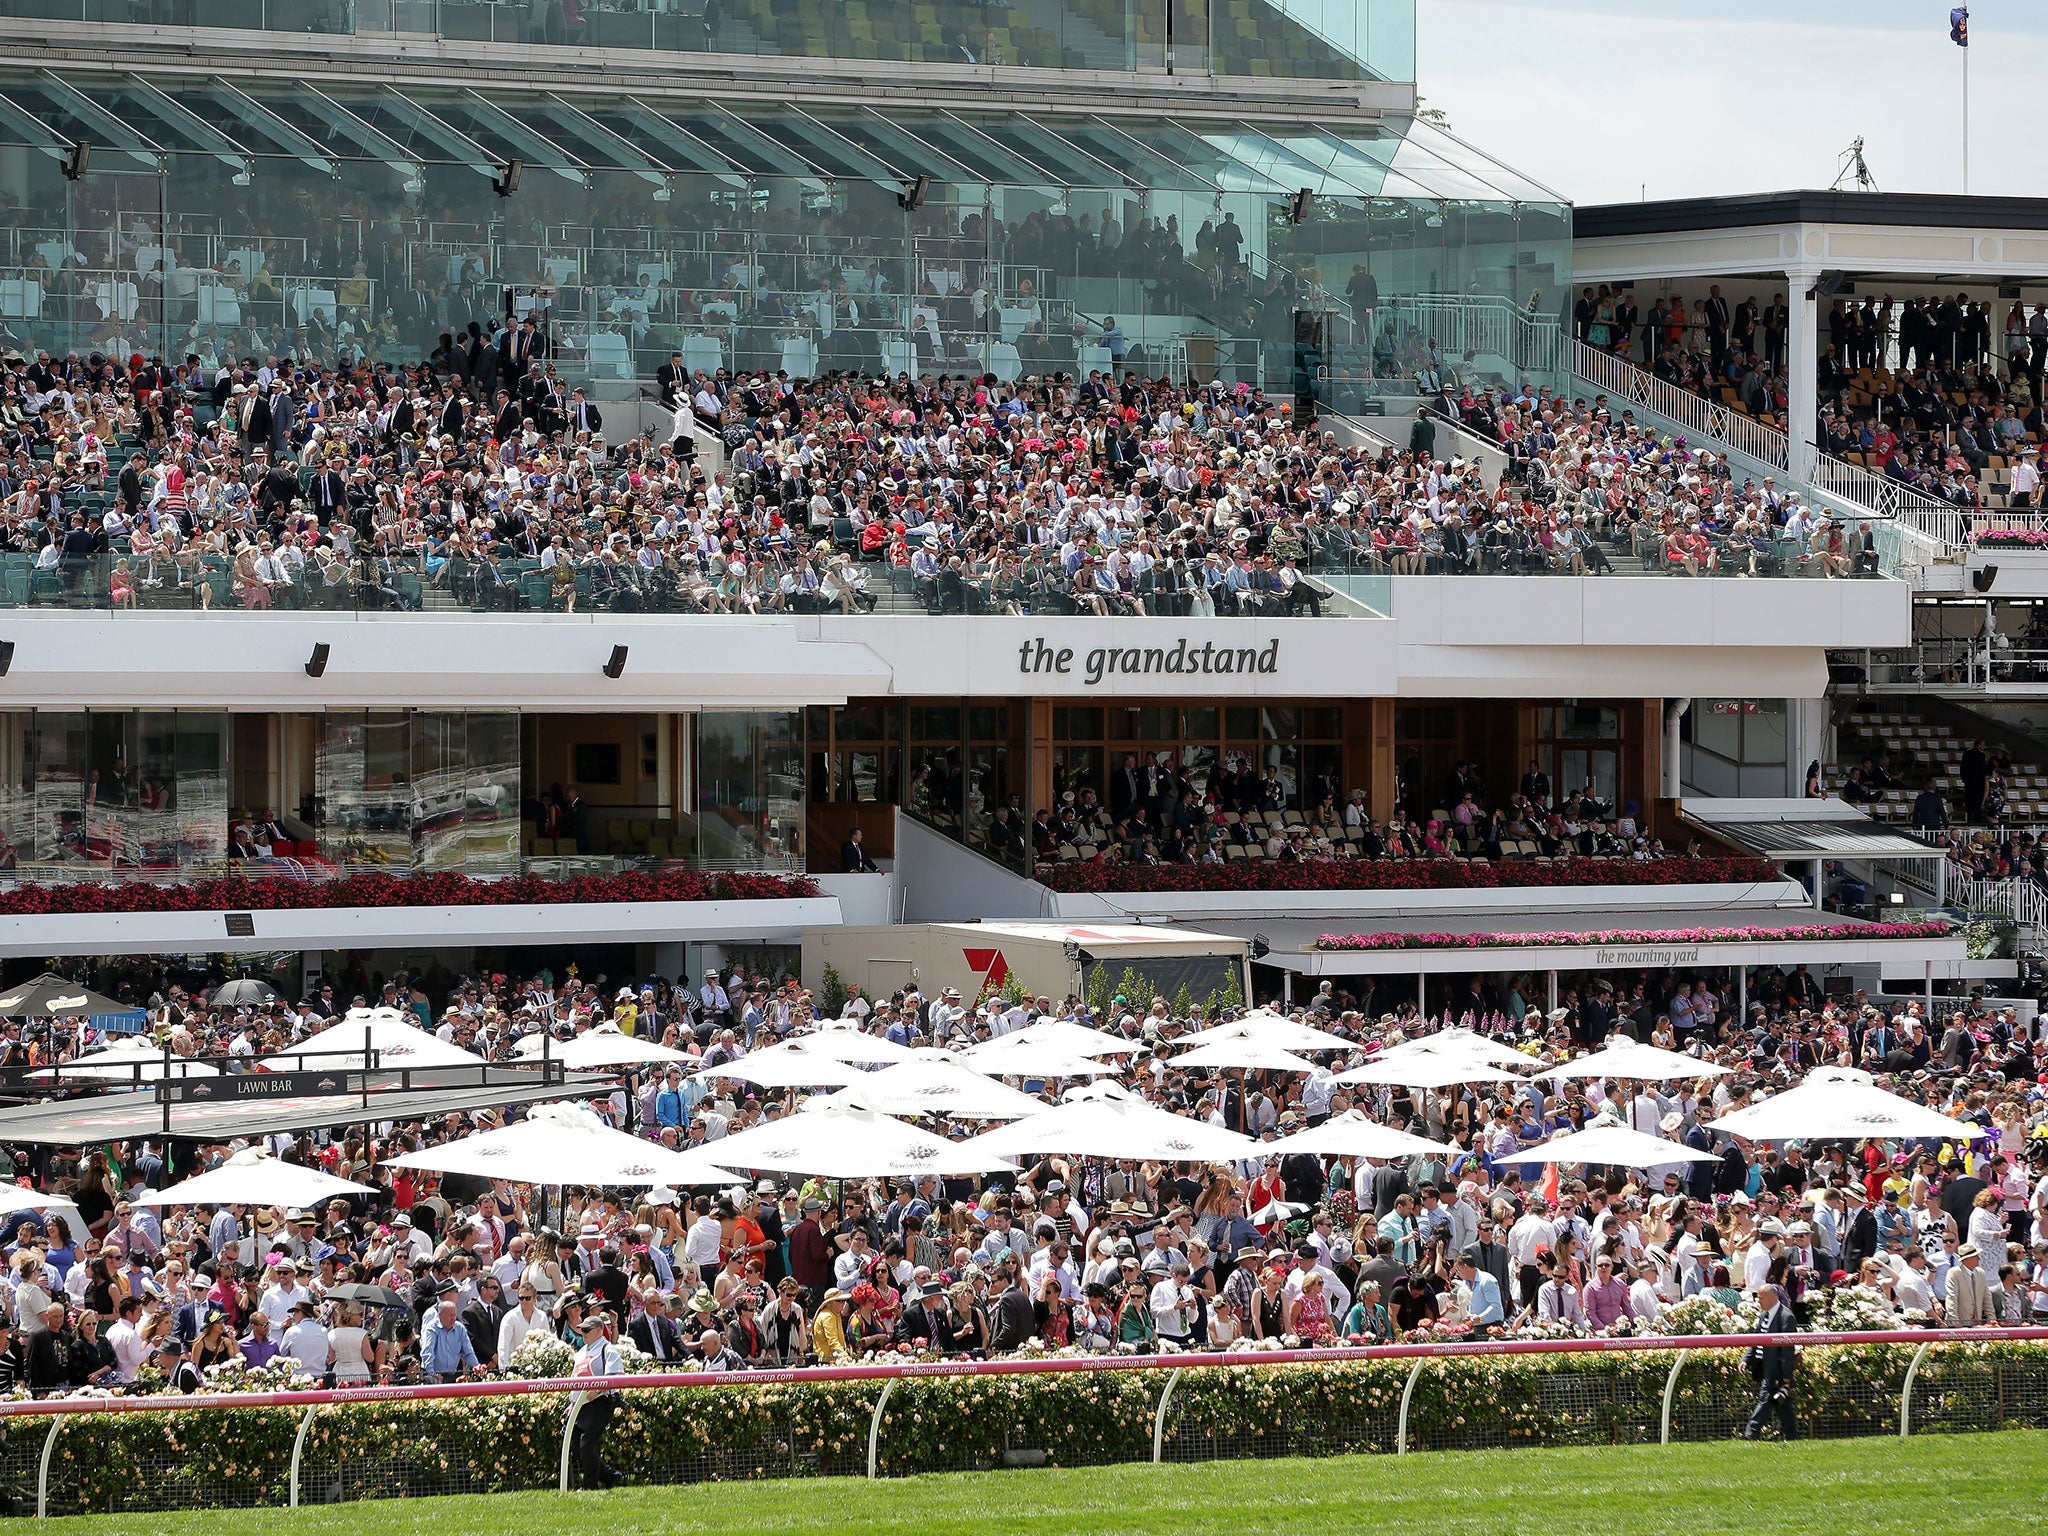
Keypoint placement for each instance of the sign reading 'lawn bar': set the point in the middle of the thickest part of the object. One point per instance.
(1184, 659)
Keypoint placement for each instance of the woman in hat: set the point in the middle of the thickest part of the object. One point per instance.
(215, 1344)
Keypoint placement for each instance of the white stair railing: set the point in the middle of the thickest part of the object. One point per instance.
(1930, 527)
(2024, 901)
(1723, 426)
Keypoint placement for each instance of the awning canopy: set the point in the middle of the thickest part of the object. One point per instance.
(1805, 830)
(1293, 943)
(649, 135)
(118, 1116)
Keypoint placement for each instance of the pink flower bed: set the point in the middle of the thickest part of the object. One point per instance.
(1634, 936)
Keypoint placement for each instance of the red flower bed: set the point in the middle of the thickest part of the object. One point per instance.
(1396, 875)
(1750, 935)
(236, 894)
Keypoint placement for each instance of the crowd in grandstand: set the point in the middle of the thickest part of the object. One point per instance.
(1928, 391)
(1066, 1252)
(479, 478)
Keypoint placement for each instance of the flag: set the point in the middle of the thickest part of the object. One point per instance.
(1959, 26)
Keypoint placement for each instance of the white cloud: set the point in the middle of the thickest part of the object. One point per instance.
(1596, 103)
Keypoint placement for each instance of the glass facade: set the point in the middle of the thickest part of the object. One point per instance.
(136, 792)
(750, 789)
(223, 220)
(417, 790)
(1340, 39)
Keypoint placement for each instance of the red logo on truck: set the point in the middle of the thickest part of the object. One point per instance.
(989, 965)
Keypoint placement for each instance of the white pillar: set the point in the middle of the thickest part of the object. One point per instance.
(1802, 357)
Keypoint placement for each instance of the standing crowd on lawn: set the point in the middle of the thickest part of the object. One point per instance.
(476, 1276)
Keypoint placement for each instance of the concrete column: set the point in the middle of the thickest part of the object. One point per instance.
(1802, 356)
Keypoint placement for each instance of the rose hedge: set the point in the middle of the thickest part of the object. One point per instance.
(238, 894)
(2012, 538)
(211, 1458)
(1634, 936)
(1108, 875)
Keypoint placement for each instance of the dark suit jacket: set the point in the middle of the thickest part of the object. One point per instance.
(642, 1331)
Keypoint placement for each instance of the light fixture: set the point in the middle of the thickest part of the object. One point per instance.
(665, 191)
(1297, 205)
(617, 665)
(6, 656)
(506, 182)
(911, 198)
(245, 175)
(75, 161)
(1898, 898)
(415, 181)
(318, 665)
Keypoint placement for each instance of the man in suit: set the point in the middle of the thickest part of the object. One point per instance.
(923, 1318)
(854, 858)
(1717, 330)
(1968, 1291)
(584, 416)
(654, 1331)
(672, 379)
(1125, 789)
(330, 495)
(1774, 1387)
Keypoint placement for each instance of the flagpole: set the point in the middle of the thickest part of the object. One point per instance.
(1966, 120)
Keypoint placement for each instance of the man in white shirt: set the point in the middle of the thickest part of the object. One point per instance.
(306, 1340)
(279, 1299)
(1529, 1233)
(126, 1341)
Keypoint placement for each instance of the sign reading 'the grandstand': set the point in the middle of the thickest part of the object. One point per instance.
(1100, 664)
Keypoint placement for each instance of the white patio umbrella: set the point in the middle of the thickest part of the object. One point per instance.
(1352, 1134)
(1270, 1028)
(130, 1059)
(1632, 1059)
(253, 1177)
(1065, 1035)
(566, 1144)
(1840, 1103)
(793, 1064)
(14, 1198)
(1107, 1120)
(937, 1082)
(1611, 1142)
(1458, 1038)
(1014, 1056)
(605, 1046)
(1432, 1069)
(396, 1042)
(850, 1141)
(846, 1040)
(1245, 1052)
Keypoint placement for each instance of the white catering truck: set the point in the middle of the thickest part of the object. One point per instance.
(1048, 959)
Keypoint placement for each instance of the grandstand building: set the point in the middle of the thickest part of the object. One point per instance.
(1240, 195)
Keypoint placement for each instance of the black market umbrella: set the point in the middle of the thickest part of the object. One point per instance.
(51, 996)
(244, 994)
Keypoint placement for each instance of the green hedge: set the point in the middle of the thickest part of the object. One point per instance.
(209, 1458)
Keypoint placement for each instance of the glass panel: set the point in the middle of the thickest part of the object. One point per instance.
(362, 796)
(750, 787)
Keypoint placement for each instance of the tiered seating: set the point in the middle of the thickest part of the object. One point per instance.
(1924, 754)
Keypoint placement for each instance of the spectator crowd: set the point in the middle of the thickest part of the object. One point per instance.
(438, 1278)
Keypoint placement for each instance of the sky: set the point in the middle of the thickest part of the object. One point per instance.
(1612, 100)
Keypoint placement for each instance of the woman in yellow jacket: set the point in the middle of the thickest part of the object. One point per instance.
(828, 1330)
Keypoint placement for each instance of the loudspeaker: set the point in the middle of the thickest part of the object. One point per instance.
(318, 665)
(506, 182)
(911, 198)
(617, 665)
